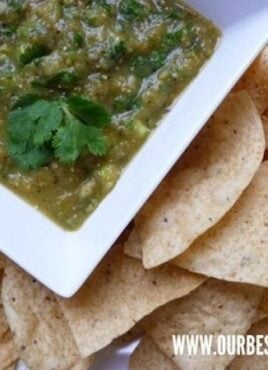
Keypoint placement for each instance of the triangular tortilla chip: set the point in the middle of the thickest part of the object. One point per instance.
(215, 308)
(119, 294)
(8, 353)
(236, 249)
(41, 334)
(262, 311)
(253, 362)
(265, 127)
(132, 335)
(3, 261)
(204, 185)
(133, 246)
(4, 328)
(148, 356)
(255, 81)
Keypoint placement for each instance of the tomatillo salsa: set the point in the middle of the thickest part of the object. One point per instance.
(82, 85)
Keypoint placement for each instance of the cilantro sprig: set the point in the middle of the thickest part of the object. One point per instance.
(39, 130)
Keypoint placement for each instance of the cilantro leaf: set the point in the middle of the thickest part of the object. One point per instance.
(132, 9)
(31, 158)
(89, 112)
(27, 53)
(148, 64)
(39, 129)
(38, 120)
(75, 138)
(28, 129)
(19, 143)
(63, 80)
(78, 40)
(118, 50)
(69, 140)
(20, 126)
(49, 121)
(96, 142)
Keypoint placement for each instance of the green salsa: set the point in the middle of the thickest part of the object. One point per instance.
(82, 85)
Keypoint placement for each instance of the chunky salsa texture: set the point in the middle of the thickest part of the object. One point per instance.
(82, 85)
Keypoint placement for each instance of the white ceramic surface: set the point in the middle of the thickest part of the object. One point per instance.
(63, 260)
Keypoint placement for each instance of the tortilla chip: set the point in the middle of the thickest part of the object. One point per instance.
(8, 353)
(236, 248)
(262, 311)
(3, 261)
(204, 185)
(41, 334)
(253, 362)
(148, 356)
(132, 246)
(4, 327)
(3, 321)
(265, 127)
(119, 294)
(215, 308)
(255, 81)
(132, 335)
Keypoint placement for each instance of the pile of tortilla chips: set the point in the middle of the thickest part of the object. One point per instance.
(195, 260)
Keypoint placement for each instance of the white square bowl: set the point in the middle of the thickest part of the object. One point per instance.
(63, 260)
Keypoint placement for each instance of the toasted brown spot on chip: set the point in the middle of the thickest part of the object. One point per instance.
(204, 184)
(215, 308)
(236, 249)
(106, 308)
